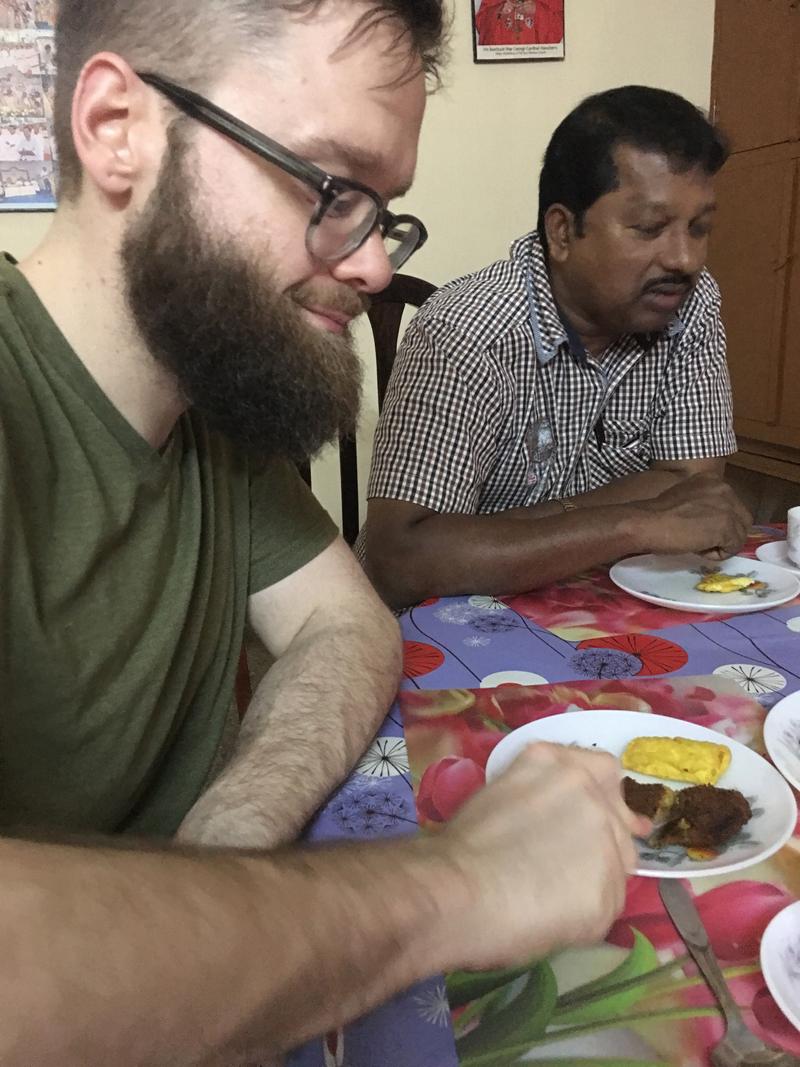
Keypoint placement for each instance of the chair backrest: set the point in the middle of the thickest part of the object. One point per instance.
(385, 316)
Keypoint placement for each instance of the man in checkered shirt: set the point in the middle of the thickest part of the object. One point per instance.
(571, 404)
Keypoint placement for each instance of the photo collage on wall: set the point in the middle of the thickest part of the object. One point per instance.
(28, 159)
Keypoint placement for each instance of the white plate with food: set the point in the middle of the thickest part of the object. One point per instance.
(691, 583)
(782, 737)
(777, 553)
(750, 813)
(780, 961)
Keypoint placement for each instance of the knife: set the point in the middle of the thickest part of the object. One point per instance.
(686, 920)
(685, 916)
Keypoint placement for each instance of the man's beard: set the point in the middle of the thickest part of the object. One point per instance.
(240, 349)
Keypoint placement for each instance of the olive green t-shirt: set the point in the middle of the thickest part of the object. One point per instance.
(124, 578)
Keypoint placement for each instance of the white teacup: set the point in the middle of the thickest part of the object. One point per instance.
(793, 536)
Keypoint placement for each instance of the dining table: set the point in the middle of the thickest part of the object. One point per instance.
(477, 667)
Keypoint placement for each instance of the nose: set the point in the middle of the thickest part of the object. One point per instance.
(683, 253)
(368, 269)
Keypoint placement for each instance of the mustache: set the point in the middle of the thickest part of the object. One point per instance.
(331, 295)
(677, 279)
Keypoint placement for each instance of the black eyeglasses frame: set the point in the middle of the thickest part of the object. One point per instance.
(327, 186)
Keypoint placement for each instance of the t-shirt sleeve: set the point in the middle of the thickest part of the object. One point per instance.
(288, 526)
(436, 439)
(696, 420)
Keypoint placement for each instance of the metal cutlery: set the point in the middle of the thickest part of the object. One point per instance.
(739, 1047)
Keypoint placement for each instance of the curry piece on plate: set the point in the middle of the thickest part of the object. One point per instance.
(648, 798)
(677, 759)
(704, 816)
(718, 582)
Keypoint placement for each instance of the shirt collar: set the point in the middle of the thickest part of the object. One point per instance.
(554, 332)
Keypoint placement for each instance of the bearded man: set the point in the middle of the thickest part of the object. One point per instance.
(178, 339)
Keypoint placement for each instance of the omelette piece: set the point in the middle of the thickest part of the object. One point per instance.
(677, 759)
(718, 582)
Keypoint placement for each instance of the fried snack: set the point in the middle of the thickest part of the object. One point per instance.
(703, 817)
(718, 582)
(648, 798)
(677, 759)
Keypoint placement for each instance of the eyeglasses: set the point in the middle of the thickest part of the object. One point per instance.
(347, 212)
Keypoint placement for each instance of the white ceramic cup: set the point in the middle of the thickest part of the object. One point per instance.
(793, 535)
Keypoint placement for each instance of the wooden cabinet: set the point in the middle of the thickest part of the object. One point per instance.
(755, 249)
(749, 259)
(756, 71)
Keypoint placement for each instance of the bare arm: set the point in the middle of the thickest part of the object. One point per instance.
(132, 958)
(413, 553)
(663, 475)
(138, 958)
(337, 670)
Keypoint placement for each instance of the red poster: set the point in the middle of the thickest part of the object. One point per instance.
(513, 30)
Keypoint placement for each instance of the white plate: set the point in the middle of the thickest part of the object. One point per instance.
(780, 961)
(670, 581)
(782, 737)
(772, 801)
(777, 552)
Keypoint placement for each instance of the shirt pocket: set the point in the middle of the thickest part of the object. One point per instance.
(628, 441)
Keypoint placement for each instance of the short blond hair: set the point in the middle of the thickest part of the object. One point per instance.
(189, 40)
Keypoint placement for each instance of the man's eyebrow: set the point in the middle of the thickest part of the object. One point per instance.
(352, 158)
(658, 207)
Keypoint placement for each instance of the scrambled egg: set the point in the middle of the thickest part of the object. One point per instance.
(717, 582)
(677, 759)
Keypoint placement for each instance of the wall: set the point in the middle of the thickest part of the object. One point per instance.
(21, 231)
(487, 130)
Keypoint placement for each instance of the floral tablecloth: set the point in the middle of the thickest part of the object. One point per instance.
(633, 1001)
(477, 666)
(585, 627)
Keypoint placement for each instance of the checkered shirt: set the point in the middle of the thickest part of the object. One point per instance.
(479, 418)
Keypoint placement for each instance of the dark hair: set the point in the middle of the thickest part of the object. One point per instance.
(188, 40)
(579, 164)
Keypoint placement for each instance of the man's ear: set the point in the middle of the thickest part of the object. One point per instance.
(117, 126)
(559, 226)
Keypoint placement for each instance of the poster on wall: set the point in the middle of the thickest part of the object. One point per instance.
(510, 31)
(28, 161)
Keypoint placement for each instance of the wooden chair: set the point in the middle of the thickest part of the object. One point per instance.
(385, 316)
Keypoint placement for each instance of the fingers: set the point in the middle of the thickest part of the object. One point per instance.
(599, 774)
(714, 554)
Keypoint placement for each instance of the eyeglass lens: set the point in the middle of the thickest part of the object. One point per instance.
(349, 219)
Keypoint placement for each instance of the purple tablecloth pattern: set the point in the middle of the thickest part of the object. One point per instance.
(413, 1029)
(478, 641)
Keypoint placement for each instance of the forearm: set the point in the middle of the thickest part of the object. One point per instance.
(310, 720)
(446, 555)
(414, 553)
(136, 957)
(644, 485)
